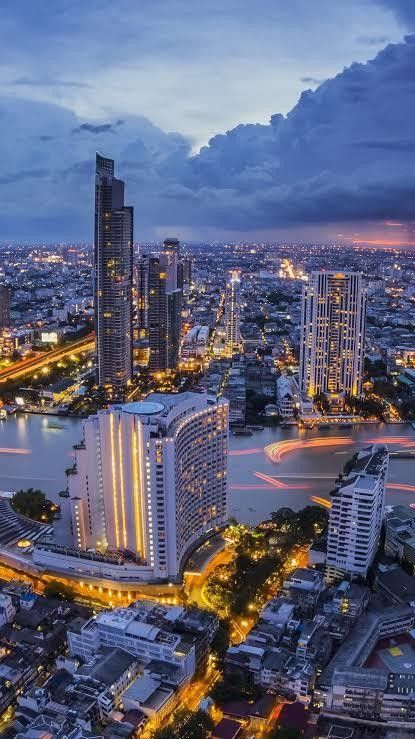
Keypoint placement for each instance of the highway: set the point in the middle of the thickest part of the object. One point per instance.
(36, 363)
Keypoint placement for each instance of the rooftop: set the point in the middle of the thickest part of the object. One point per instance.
(143, 408)
(108, 665)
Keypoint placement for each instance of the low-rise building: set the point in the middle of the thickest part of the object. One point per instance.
(149, 631)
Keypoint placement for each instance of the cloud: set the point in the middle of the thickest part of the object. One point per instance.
(227, 60)
(404, 9)
(98, 128)
(311, 81)
(47, 82)
(25, 174)
(372, 40)
(344, 153)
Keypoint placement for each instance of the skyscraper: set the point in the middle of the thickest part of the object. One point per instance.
(333, 334)
(160, 304)
(4, 307)
(151, 478)
(113, 278)
(356, 515)
(232, 315)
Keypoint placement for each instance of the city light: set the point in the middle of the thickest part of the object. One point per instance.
(279, 449)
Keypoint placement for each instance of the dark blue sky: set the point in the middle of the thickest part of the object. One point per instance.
(152, 82)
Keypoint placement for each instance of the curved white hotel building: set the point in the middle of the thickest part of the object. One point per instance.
(150, 479)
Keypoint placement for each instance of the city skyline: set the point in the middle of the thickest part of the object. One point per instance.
(334, 166)
(207, 369)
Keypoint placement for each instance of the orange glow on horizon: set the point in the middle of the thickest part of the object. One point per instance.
(382, 242)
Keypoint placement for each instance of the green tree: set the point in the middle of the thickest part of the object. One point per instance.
(186, 725)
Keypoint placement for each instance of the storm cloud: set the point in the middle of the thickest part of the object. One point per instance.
(345, 152)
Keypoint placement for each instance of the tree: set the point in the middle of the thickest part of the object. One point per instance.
(322, 402)
(186, 725)
(220, 642)
(34, 504)
(56, 589)
(234, 686)
(283, 514)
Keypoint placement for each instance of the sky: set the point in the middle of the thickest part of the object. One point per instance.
(233, 119)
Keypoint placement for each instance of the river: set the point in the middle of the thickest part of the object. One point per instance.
(35, 450)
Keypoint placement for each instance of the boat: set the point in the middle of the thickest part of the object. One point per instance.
(3, 414)
(242, 432)
(323, 426)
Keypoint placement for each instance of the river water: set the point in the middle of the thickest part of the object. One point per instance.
(35, 451)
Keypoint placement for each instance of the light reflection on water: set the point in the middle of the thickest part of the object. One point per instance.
(304, 466)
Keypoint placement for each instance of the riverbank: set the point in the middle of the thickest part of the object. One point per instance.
(36, 449)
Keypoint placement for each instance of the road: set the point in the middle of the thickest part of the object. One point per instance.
(33, 364)
(194, 584)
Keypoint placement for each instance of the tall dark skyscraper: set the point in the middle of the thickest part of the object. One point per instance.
(4, 307)
(113, 278)
(159, 304)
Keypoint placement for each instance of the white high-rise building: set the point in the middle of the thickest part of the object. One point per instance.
(333, 334)
(151, 478)
(232, 315)
(356, 515)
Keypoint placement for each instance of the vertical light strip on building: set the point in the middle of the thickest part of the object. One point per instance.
(137, 483)
(122, 491)
(114, 479)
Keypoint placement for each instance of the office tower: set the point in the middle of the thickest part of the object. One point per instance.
(157, 315)
(4, 307)
(232, 315)
(333, 334)
(171, 255)
(141, 287)
(113, 278)
(160, 305)
(151, 478)
(170, 264)
(356, 515)
(186, 264)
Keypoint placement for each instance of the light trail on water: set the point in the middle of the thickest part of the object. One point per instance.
(243, 452)
(401, 486)
(279, 449)
(276, 451)
(320, 501)
(274, 482)
(7, 450)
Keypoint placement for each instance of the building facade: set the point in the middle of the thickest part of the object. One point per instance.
(232, 315)
(150, 479)
(333, 334)
(113, 278)
(356, 515)
(159, 304)
(4, 307)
